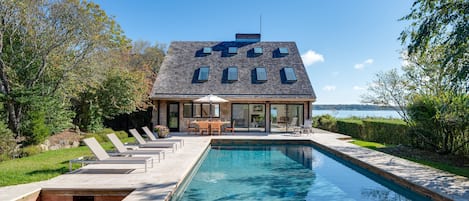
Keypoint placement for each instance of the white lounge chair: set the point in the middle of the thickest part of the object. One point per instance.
(104, 158)
(144, 144)
(121, 149)
(153, 138)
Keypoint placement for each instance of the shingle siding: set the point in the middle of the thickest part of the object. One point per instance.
(176, 76)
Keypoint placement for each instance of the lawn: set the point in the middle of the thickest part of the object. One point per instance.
(43, 166)
(447, 163)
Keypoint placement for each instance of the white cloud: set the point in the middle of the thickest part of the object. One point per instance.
(329, 88)
(358, 88)
(311, 57)
(363, 64)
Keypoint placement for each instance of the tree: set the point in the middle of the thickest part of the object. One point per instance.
(444, 25)
(432, 91)
(44, 45)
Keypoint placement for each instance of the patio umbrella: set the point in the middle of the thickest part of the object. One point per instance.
(210, 99)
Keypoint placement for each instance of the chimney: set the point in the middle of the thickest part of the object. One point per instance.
(242, 37)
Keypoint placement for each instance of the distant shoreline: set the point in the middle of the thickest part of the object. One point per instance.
(352, 107)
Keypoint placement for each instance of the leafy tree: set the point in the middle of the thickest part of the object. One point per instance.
(432, 91)
(45, 46)
(441, 24)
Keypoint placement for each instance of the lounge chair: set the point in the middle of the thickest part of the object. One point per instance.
(144, 144)
(153, 138)
(104, 158)
(121, 149)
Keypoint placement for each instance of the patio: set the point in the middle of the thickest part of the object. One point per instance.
(164, 178)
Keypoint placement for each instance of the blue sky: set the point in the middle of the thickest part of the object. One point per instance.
(343, 43)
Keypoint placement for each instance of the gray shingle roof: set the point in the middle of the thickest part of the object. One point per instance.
(178, 73)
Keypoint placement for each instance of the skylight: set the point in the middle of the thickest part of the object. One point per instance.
(283, 50)
(261, 74)
(290, 75)
(232, 74)
(207, 50)
(232, 50)
(203, 74)
(258, 50)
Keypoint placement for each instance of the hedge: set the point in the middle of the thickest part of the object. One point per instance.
(101, 135)
(386, 131)
(352, 127)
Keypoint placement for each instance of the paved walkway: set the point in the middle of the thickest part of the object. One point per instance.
(163, 178)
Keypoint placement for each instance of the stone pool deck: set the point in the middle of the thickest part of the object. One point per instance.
(161, 180)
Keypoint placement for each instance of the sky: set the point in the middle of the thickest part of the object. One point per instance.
(343, 43)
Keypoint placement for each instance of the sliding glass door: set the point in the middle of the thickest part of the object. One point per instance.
(285, 117)
(248, 117)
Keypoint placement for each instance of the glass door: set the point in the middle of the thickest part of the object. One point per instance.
(173, 116)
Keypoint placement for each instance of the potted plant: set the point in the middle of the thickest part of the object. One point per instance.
(161, 130)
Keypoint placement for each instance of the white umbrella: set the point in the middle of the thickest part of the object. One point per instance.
(210, 99)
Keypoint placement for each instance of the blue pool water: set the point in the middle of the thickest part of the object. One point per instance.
(290, 172)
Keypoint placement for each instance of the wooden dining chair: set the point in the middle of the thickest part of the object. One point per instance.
(203, 127)
(231, 129)
(215, 126)
(190, 127)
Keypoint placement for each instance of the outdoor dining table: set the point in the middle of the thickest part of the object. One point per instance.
(210, 125)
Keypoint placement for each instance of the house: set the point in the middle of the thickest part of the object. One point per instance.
(265, 83)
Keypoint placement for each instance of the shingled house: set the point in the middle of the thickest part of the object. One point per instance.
(265, 82)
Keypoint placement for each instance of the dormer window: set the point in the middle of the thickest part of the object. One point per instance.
(232, 74)
(203, 74)
(283, 51)
(258, 50)
(207, 50)
(261, 75)
(232, 50)
(289, 75)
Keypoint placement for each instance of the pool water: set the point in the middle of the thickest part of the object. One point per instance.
(287, 172)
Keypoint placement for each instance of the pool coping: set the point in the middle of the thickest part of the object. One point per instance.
(157, 184)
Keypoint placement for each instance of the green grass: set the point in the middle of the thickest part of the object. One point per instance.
(462, 171)
(43, 166)
(370, 145)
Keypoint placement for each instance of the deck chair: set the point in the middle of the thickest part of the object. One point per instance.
(307, 127)
(153, 138)
(191, 128)
(121, 149)
(293, 126)
(104, 158)
(144, 144)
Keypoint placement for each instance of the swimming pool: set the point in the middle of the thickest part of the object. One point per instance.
(283, 172)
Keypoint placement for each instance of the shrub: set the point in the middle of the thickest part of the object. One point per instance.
(326, 122)
(30, 150)
(352, 127)
(7, 142)
(386, 131)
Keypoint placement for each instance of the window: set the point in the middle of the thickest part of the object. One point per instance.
(207, 50)
(187, 111)
(283, 51)
(258, 50)
(261, 74)
(290, 75)
(232, 74)
(201, 110)
(203, 74)
(232, 50)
